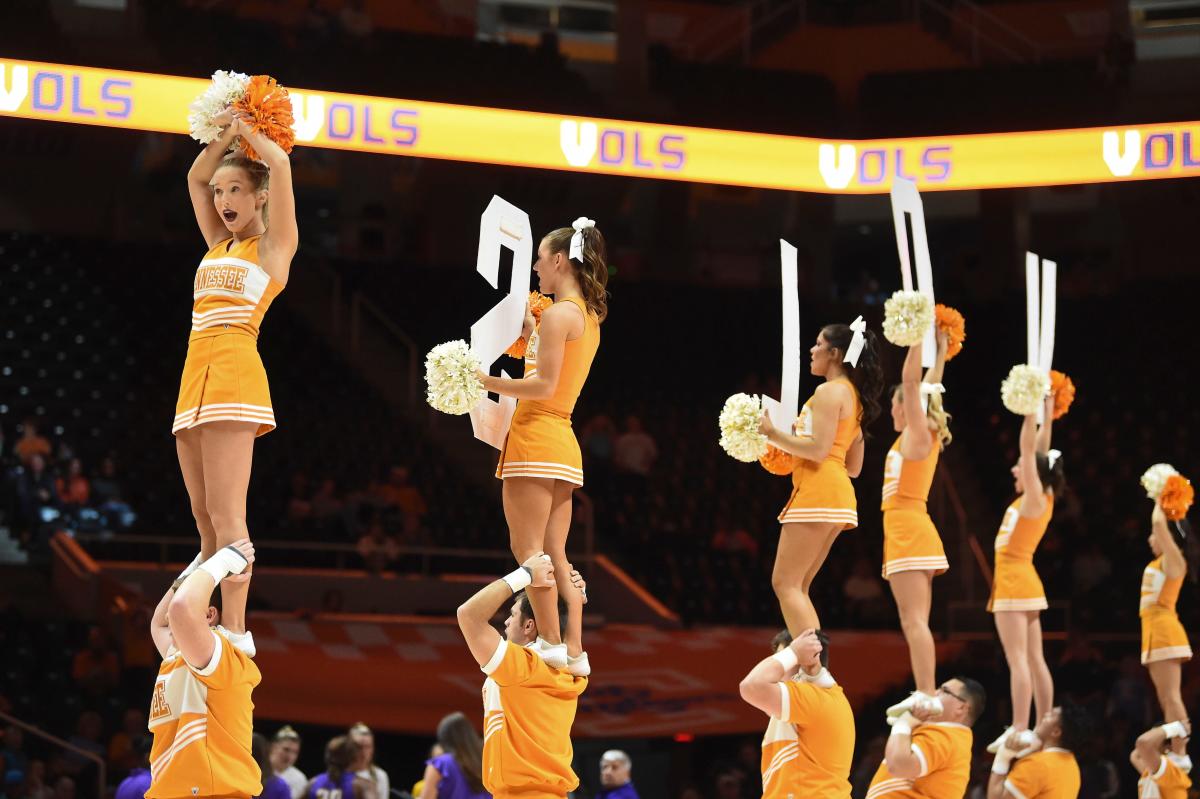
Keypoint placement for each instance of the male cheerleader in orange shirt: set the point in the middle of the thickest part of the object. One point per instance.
(1165, 774)
(809, 745)
(201, 710)
(528, 706)
(930, 757)
(1049, 771)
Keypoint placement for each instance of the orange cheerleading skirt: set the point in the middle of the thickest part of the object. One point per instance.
(223, 381)
(1163, 637)
(821, 492)
(540, 444)
(1016, 586)
(911, 543)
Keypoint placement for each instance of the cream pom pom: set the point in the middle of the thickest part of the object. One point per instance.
(1156, 477)
(907, 316)
(450, 374)
(225, 90)
(1024, 390)
(739, 421)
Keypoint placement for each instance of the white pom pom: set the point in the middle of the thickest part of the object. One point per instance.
(1025, 388)
(740, 436)
(907, 316)
(1156, 477)
(450, 374)
(226, 89)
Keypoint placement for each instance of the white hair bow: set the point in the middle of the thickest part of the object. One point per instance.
(1052, 457)
(856, 344)
(581, 224)
(928, 390)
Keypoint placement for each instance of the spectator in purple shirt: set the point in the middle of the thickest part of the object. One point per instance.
(138, 782)
(273, 787)
(458, 773)
(615, 782)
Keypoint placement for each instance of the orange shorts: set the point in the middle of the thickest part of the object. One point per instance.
(223, 381)
(1163, 637)
(821, 492)
(911, 543)
(541, 444)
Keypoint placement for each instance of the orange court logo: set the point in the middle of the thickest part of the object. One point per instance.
(159, 708)
(224, 277)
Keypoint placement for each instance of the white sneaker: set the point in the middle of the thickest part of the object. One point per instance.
(1023, 742)
(903, 706)
(243, 641)
(579, 666)
(555, 655)
(930, 704)
(995, 745)
(916, 700)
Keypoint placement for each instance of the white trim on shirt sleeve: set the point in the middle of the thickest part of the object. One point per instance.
(1162, 768)
(214, 661)
(785, 704)
(916, 750)
(497, 659)
(1008, 786)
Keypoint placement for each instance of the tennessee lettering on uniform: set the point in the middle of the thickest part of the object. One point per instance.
(229, 278)
(231, 289)
(808, 751)
(201, 722)
(1049, 774)
(944, 750)
(528, 712)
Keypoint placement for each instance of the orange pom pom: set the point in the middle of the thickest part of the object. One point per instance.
(1063, 391)
(955, 326)
(1176, 497)
(269, 108)
(538, 302)
(778, 461)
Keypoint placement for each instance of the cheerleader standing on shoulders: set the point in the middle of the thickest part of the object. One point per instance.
(541, 464)
(828, 439)
(912, 549)
(1018, 597)
(224, 400)
(1165, 646)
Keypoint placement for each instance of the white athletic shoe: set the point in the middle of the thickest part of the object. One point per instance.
(579, 666)
(995, 745)
(903, 706)
(555, 655)
(243, 641)
(930, 704)
(1023, 742)
(913, 701)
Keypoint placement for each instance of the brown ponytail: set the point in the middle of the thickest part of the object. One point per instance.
(593, 272)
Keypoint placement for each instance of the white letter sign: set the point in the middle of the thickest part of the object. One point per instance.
(502, 225)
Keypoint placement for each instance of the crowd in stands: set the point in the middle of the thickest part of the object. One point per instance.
(44, 488)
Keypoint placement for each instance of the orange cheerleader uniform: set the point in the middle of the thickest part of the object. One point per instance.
(1163, 637)
(910, 541)
(822, 492)
(1170, 781)
(202, 720)
(1016, 585)
(540, 441)
(223, 375)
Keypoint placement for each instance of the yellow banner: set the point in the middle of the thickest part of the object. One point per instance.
(142, 101)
